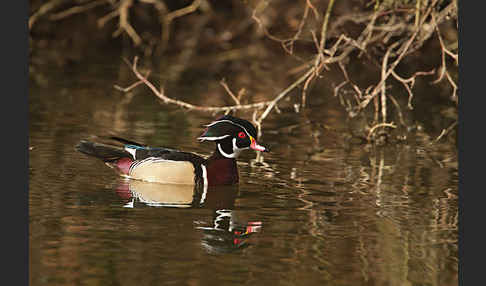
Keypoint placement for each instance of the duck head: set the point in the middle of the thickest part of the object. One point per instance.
(232, 135)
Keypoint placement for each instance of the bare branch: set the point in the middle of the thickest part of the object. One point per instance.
(254, 106)
(160, 94)
(409, 83)
(322, 43)
(225, 86)
(310, 5)
(103, 20)
(399, 109)
(169, 17)
(284, 93)
(404, 49)
(132, 86)
(183, 11)
(76, 10)
(443, 70)
(44, 9)
(445, 131)
(124, 24)
(383, 79)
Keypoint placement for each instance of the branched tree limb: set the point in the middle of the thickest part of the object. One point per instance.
(443, 69)
(124, 24)
(44, 9)
(268, 105)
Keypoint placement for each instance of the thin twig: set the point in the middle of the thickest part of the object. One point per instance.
(408, 83)
(162, 10)
(264, 29)
(225, 86)
(44, 9)
(76, 10)
(184, 11)
(399, 109)
(383, 78)
(322, 43)
(130, 87)
(284, 93)
(103, 20)
(124, 24)
(319, 61)
(443, 70)
(417, 13)
(169, 17)
(287, 43)
(445, 131)
(338, 87)
(404, 49)
(296, 36)
(310, 5)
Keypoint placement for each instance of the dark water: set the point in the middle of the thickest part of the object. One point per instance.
(317, 210)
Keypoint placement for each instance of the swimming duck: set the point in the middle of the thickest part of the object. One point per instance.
(162, 165)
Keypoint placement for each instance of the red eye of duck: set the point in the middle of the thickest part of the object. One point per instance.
(242, 134)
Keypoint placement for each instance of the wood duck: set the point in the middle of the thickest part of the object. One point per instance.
(163, 165)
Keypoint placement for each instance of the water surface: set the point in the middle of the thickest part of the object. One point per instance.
(317, 210)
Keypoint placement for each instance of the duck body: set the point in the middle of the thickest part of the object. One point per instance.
(170, 166)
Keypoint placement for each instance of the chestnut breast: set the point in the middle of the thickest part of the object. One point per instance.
(222, 172)
(163, 171)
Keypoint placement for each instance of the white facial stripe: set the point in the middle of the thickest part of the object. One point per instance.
(205, 178)
(213, 138)
(215, 122)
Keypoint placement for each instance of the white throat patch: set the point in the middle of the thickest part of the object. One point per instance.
(236, 150)
(232, 155)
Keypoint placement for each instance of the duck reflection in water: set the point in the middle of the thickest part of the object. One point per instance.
(226, 234)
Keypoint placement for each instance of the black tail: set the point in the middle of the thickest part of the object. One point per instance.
(126, 141)
(104, 152)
